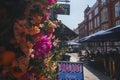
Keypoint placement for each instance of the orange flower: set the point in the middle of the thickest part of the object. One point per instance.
(7, 57)
(17, 74)
(51, 25)
(42, 78)
(36, 29)
(37, 18)
(33, 30)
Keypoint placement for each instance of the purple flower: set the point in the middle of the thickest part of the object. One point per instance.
(42, 47)
(51, 1)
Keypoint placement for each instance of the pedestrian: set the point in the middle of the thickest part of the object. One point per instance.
(87, 53)
(79, 53)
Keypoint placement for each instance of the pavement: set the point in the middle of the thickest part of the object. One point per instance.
(89, 72)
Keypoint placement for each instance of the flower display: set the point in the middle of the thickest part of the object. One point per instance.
(33, 55)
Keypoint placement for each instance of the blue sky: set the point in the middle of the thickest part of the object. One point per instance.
(76, 16)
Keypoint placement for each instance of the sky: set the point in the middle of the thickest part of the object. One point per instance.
(76, 16)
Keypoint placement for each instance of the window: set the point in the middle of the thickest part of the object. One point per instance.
(104, 15)
(95, 25)
(98, 21)
(104, 26)
(118, 22)
(103, 2)
(96, 11)
(85, 28)
(90, 16)
(90, 26)
(117, 9)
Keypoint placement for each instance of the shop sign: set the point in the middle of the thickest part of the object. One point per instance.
(70, 71)
(63, 9)
(63, 0)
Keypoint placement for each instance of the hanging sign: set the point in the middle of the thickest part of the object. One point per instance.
(70, 71)
(63, 9)
(63, 0)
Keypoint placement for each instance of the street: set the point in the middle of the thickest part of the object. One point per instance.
(89, 72)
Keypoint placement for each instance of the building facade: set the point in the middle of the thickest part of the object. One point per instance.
(103, 15)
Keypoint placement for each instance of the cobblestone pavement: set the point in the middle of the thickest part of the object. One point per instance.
(89, 72)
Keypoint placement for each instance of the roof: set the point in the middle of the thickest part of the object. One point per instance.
(64, 33)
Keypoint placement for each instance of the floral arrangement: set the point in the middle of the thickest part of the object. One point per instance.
(33, 36)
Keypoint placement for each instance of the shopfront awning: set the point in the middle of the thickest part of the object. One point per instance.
(73, 43)
(88, 38)
(112, 34)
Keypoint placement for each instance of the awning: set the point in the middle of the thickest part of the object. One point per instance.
(112, 34)
(88, 38)
(73, 43)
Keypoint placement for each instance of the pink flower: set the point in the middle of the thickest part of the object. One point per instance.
(42, 47)
(47, 16)
(55, 42)
(52, 1)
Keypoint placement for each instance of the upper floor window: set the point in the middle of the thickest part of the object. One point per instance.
(85, 28)
(103, 2)
(104, 15)
(95, 23)
(96, 11)
(98, 21)
(90, 25)
(117, 9)
(90, 16)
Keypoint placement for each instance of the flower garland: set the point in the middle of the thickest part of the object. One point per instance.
(33, 35)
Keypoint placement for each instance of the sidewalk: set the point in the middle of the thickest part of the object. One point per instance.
(89, 72)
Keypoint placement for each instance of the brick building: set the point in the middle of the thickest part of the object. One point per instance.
(103, 15)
